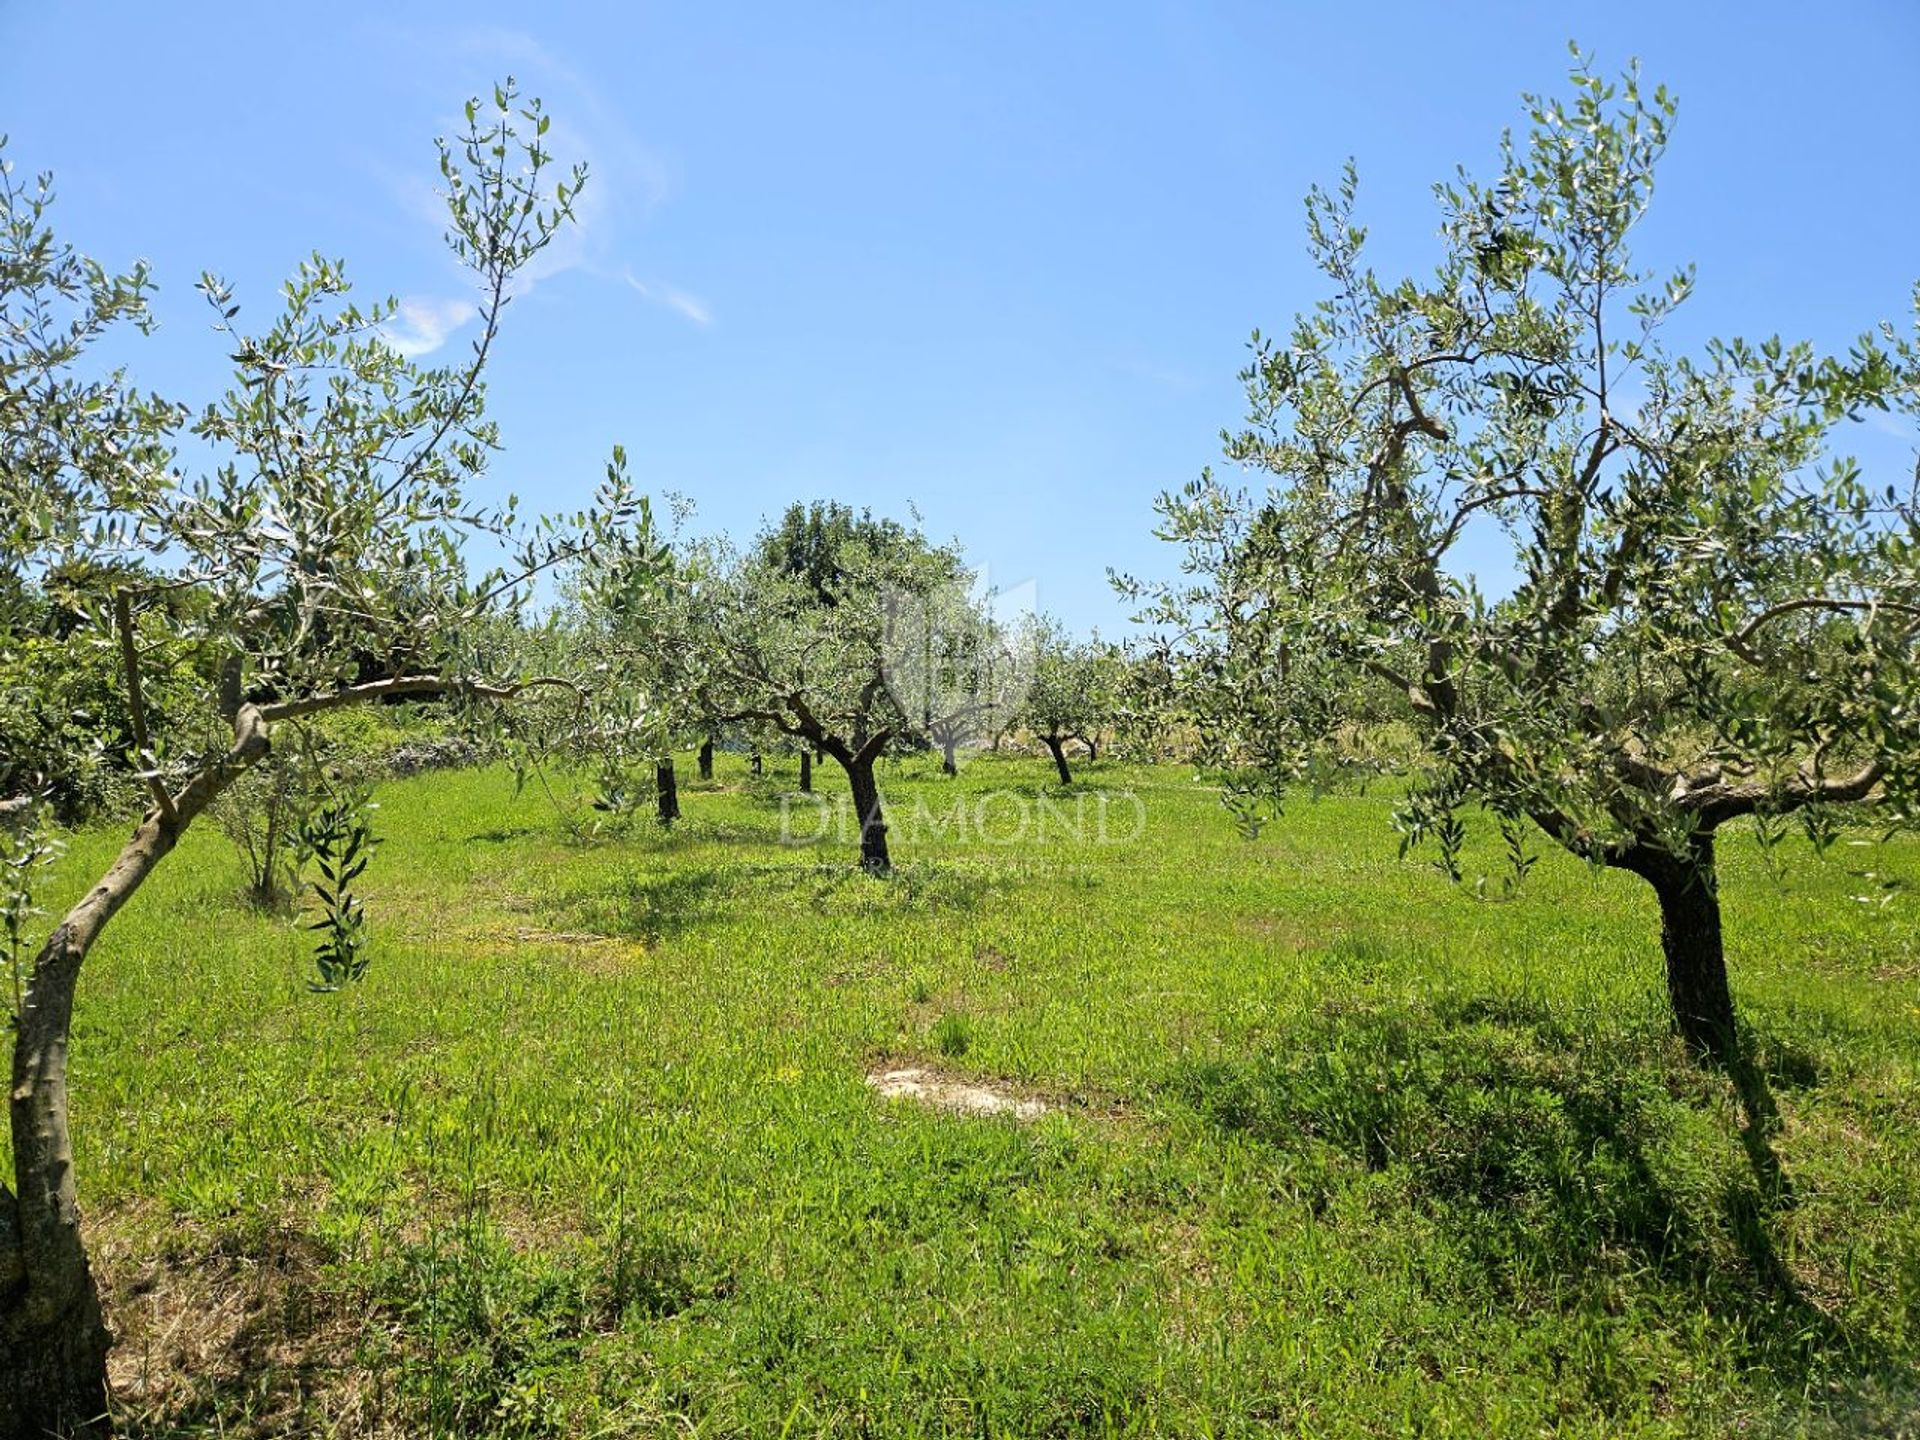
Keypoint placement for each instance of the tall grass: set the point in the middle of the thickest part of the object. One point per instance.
(1333, 1146)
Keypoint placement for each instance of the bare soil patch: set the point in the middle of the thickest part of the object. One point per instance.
(926, 1086)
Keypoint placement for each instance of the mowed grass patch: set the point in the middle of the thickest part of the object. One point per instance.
(1332, 1146)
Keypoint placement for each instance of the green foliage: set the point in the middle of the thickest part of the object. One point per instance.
(809, 656)
(266, 812)
(337, 837)
(957, 669)
(340, 545)
(1077, 685)
(28, 846)
(65, 726)
(75, 444)
(623, 629)
(325, 548)
(1715, 613)
(812, 543)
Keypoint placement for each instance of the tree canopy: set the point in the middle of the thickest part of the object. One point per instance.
(321, 563)
(1711, 613)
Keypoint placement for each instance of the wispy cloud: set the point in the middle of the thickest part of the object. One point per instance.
(1156, 374)
(691, 306)
(627, 180)
(421, 323)
(1898, 426)
(584, 122)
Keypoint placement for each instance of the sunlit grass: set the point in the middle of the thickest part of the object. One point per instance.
(1332, 1146)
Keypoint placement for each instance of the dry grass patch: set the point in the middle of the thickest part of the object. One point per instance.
(225, 1329)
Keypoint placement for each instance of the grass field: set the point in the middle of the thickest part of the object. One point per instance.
(1333, 1147)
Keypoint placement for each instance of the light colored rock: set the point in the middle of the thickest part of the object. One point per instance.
(927, 1087)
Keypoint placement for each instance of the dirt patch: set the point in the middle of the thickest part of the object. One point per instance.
(929, 1087)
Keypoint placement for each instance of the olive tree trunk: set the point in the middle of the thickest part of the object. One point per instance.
(54, 1377)
(806, 771)
(1059, 751)
(1688, 889)
(948, 766)
(858, 764)
(874, 858)
(267, 884)
(666, 788)
(706, 758)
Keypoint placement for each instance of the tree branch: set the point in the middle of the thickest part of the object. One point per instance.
(136, 703)
(401, 686)
(1716, 804)
(1738, 641)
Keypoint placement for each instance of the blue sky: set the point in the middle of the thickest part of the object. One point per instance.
(999, 261)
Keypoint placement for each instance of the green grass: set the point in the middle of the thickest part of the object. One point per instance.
(1334, 1147)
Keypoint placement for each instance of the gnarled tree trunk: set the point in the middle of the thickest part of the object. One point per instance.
(874, 858)
(706, 758)
(666, 787)
(1689, 893)
(948, 766)
(806, 771)
(1057, 747)
(858, 764)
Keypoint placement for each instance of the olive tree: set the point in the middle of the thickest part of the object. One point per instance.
(954, 667)
(957, 669)
(1072, 695)
(1108, 680)
(1711, 611)
(805, 651)
(632, 623)
(332, 532)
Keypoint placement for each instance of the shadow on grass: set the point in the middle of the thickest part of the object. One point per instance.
(655, 907)
(501, 835)
(233, 1332)
(1560, 1164)
(914, 887)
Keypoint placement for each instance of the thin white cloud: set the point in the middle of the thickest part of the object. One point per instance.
(1156, 374)
(595, 129)
(421, 324)
(1896, 425)
(690, 306)
(626, 181)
